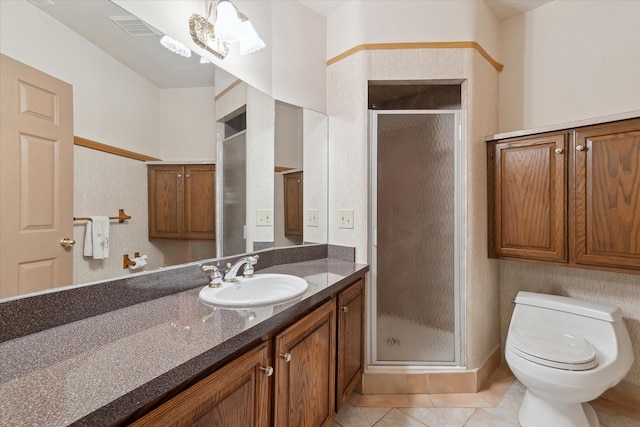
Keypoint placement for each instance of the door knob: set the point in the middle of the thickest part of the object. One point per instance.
(67, 243)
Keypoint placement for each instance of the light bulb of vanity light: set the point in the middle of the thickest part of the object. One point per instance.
(249, 40)
(175, 46)
(227, 25)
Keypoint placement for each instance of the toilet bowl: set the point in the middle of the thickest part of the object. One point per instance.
(566, 352)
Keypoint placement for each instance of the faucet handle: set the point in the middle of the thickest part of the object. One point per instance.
(248, 268)
(215, 278)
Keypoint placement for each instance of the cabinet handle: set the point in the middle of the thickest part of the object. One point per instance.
(285, 356)
(187, 176)
(179, 175)
(580, 148)
(559, 150)
(344, 309)
(268, 370)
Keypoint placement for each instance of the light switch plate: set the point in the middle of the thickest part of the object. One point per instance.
(345, 218)
(264, 217)
(313, 218)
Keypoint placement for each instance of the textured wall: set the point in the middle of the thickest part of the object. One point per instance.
(622, 290)
(104, 183)
(348, 170)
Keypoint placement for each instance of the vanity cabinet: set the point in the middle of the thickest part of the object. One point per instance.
(316, 363)
(293, 222)
(181, 201)
(350, 358)
(569, 197)
(305, 363)
(236, 395)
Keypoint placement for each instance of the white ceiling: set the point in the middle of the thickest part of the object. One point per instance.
(502, 9)
(165, 69)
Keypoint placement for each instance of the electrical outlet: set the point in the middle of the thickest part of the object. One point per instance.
(264, 217)
(345, 218)
(313, 219)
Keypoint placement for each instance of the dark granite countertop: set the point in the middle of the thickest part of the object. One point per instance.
(103, 369)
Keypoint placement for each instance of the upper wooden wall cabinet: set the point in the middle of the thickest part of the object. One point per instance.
(570, 196)
(181, 202)
(293, 204)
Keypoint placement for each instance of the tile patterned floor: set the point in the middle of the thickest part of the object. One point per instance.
(495, 406)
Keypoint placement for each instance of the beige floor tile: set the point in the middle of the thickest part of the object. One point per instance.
(353, 398)
(440, 417)
(458, 400)
(482, 418)
(396, 418)
(384, 400)
(352, 416)
(496, 390)
(420, 401)
(510, 403)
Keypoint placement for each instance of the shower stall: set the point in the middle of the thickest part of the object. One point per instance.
(416, 235)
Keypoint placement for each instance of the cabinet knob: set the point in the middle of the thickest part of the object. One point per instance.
(268, 371)
(285, 356)
(344, 309)
(187, 176)
(580, 147)
(559, 150)
(179, 175)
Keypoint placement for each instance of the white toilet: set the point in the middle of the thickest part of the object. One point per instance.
(566, 352)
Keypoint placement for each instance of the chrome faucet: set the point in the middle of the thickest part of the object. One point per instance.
(248, 262)
(215, 278)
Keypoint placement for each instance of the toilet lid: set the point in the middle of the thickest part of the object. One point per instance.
(555, 349)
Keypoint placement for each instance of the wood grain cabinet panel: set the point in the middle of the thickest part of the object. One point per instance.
(606, 190)
(293, 204)
(181, 202)
(529, 188)
(350, 357)
(579, 206)
(305, 355)
(237, 395)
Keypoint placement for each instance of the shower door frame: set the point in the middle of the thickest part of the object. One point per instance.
(460, 212)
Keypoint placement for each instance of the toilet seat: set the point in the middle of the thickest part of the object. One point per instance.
(555, 349)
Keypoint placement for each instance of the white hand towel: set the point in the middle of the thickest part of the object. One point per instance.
(99, 232)
(88, 240)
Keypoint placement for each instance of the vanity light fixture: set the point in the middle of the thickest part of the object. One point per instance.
(230, 26)
(175, 46)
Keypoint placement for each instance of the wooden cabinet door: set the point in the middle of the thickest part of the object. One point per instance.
(527, 183)
(350, 340)
(606, 182)
(200, 202)
(293, 205)
(236, 395)
(166, 201)
(305, 370)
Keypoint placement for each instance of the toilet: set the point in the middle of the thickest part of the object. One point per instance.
(566, 352)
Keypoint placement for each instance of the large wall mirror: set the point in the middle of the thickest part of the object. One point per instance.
(132, 94)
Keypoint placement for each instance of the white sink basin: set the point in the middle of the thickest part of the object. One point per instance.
(261, 289)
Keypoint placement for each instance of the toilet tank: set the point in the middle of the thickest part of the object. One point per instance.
(608, 313)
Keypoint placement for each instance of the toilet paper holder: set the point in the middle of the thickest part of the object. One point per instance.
(127, 262)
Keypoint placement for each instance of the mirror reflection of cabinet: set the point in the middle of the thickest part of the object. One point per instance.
(293, 224)
(182, 201)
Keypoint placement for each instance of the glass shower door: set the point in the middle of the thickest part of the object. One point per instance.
(414, 250)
